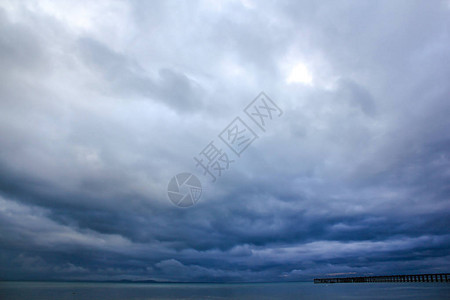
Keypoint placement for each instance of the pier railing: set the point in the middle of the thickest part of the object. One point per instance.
(442, 277)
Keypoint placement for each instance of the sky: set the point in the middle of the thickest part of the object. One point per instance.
(102, 103)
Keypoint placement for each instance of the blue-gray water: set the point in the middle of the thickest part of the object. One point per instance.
(300, 290)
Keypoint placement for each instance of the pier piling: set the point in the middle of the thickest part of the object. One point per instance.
(442, 277)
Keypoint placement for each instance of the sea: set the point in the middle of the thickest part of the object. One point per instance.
(15, 290)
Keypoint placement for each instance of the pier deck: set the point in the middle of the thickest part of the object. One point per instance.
(442, 277)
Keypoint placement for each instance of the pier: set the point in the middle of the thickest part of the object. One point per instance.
(442, 277)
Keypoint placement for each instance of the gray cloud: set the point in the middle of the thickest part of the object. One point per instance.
(125, 77)
(101, 104)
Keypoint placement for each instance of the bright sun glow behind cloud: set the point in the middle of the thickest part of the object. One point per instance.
(300, 74)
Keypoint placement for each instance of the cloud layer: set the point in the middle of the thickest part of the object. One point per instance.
(101, 103)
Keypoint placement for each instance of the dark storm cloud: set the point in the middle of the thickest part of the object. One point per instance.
(172, 88)
(97, 114)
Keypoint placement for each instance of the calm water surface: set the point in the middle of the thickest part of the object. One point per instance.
(297, 290)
